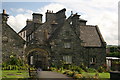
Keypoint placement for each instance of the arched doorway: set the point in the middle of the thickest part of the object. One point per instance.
(38, 58)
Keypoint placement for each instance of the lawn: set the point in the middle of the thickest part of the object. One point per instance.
(15, 74)
(101, 75)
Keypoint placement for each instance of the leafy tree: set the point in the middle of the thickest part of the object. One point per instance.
(114, 54)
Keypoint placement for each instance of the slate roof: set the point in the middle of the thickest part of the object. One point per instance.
(91, 36)
(25, 28)
(8, 31)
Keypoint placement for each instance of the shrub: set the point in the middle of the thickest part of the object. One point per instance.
(77, 76)
(53, 68)
(77, 68)
(101, 69)
(66, 71)
(91, 70)
(70, 73)
(96, 76)
(83, 67)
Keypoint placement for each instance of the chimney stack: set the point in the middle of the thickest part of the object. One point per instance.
(4, 11)
(4, 16)
(37, 18)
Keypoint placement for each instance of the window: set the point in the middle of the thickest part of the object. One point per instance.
(67, 45)
(24, 34)
(71, 23)
(5, 39)
(32, 35)
(31, 60)
(67, 59)
(93, 60)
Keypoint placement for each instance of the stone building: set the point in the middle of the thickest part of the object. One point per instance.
(60, 39)
(12, 43)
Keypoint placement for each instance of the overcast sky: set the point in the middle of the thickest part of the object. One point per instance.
(103, 13)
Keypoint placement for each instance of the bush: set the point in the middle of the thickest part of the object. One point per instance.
(77, 76)
(101, 69)
(96, 76)
(76, 68)
(91, 70)
(70, 73)
(66, 71)
(83, 67)
(53, 68)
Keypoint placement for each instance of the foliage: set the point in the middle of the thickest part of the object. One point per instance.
(113, 49)
(53, 68)
(77, 72)
(83, 67)
(101, 69)
(91, 70)
(77, 76)
(15, 74)
(96, 76)
(76, 68)
(14, 67)
(14, 63)
(116, 62)
(114, 54)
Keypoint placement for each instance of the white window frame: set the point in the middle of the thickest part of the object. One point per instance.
(31, 60)
(67, 59)
(93, 60)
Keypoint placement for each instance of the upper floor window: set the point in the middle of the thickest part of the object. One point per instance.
(24, 34)
(32, 35)
(71, 23)
(67, 45)
(4, 39)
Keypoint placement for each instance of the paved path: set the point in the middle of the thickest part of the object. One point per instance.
(49, 74)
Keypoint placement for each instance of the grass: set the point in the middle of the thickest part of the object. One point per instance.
(101, 75)
(15, 74)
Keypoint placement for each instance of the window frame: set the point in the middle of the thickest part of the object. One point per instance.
(67, 59)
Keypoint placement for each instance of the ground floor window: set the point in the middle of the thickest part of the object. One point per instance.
(31, 60)
(67, 59)
(93, 60)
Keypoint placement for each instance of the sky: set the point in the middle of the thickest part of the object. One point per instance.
(103, 13)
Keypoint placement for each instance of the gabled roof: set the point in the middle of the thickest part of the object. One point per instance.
(59, 27)
(25, 28)
(8, 31)
(91, 36)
